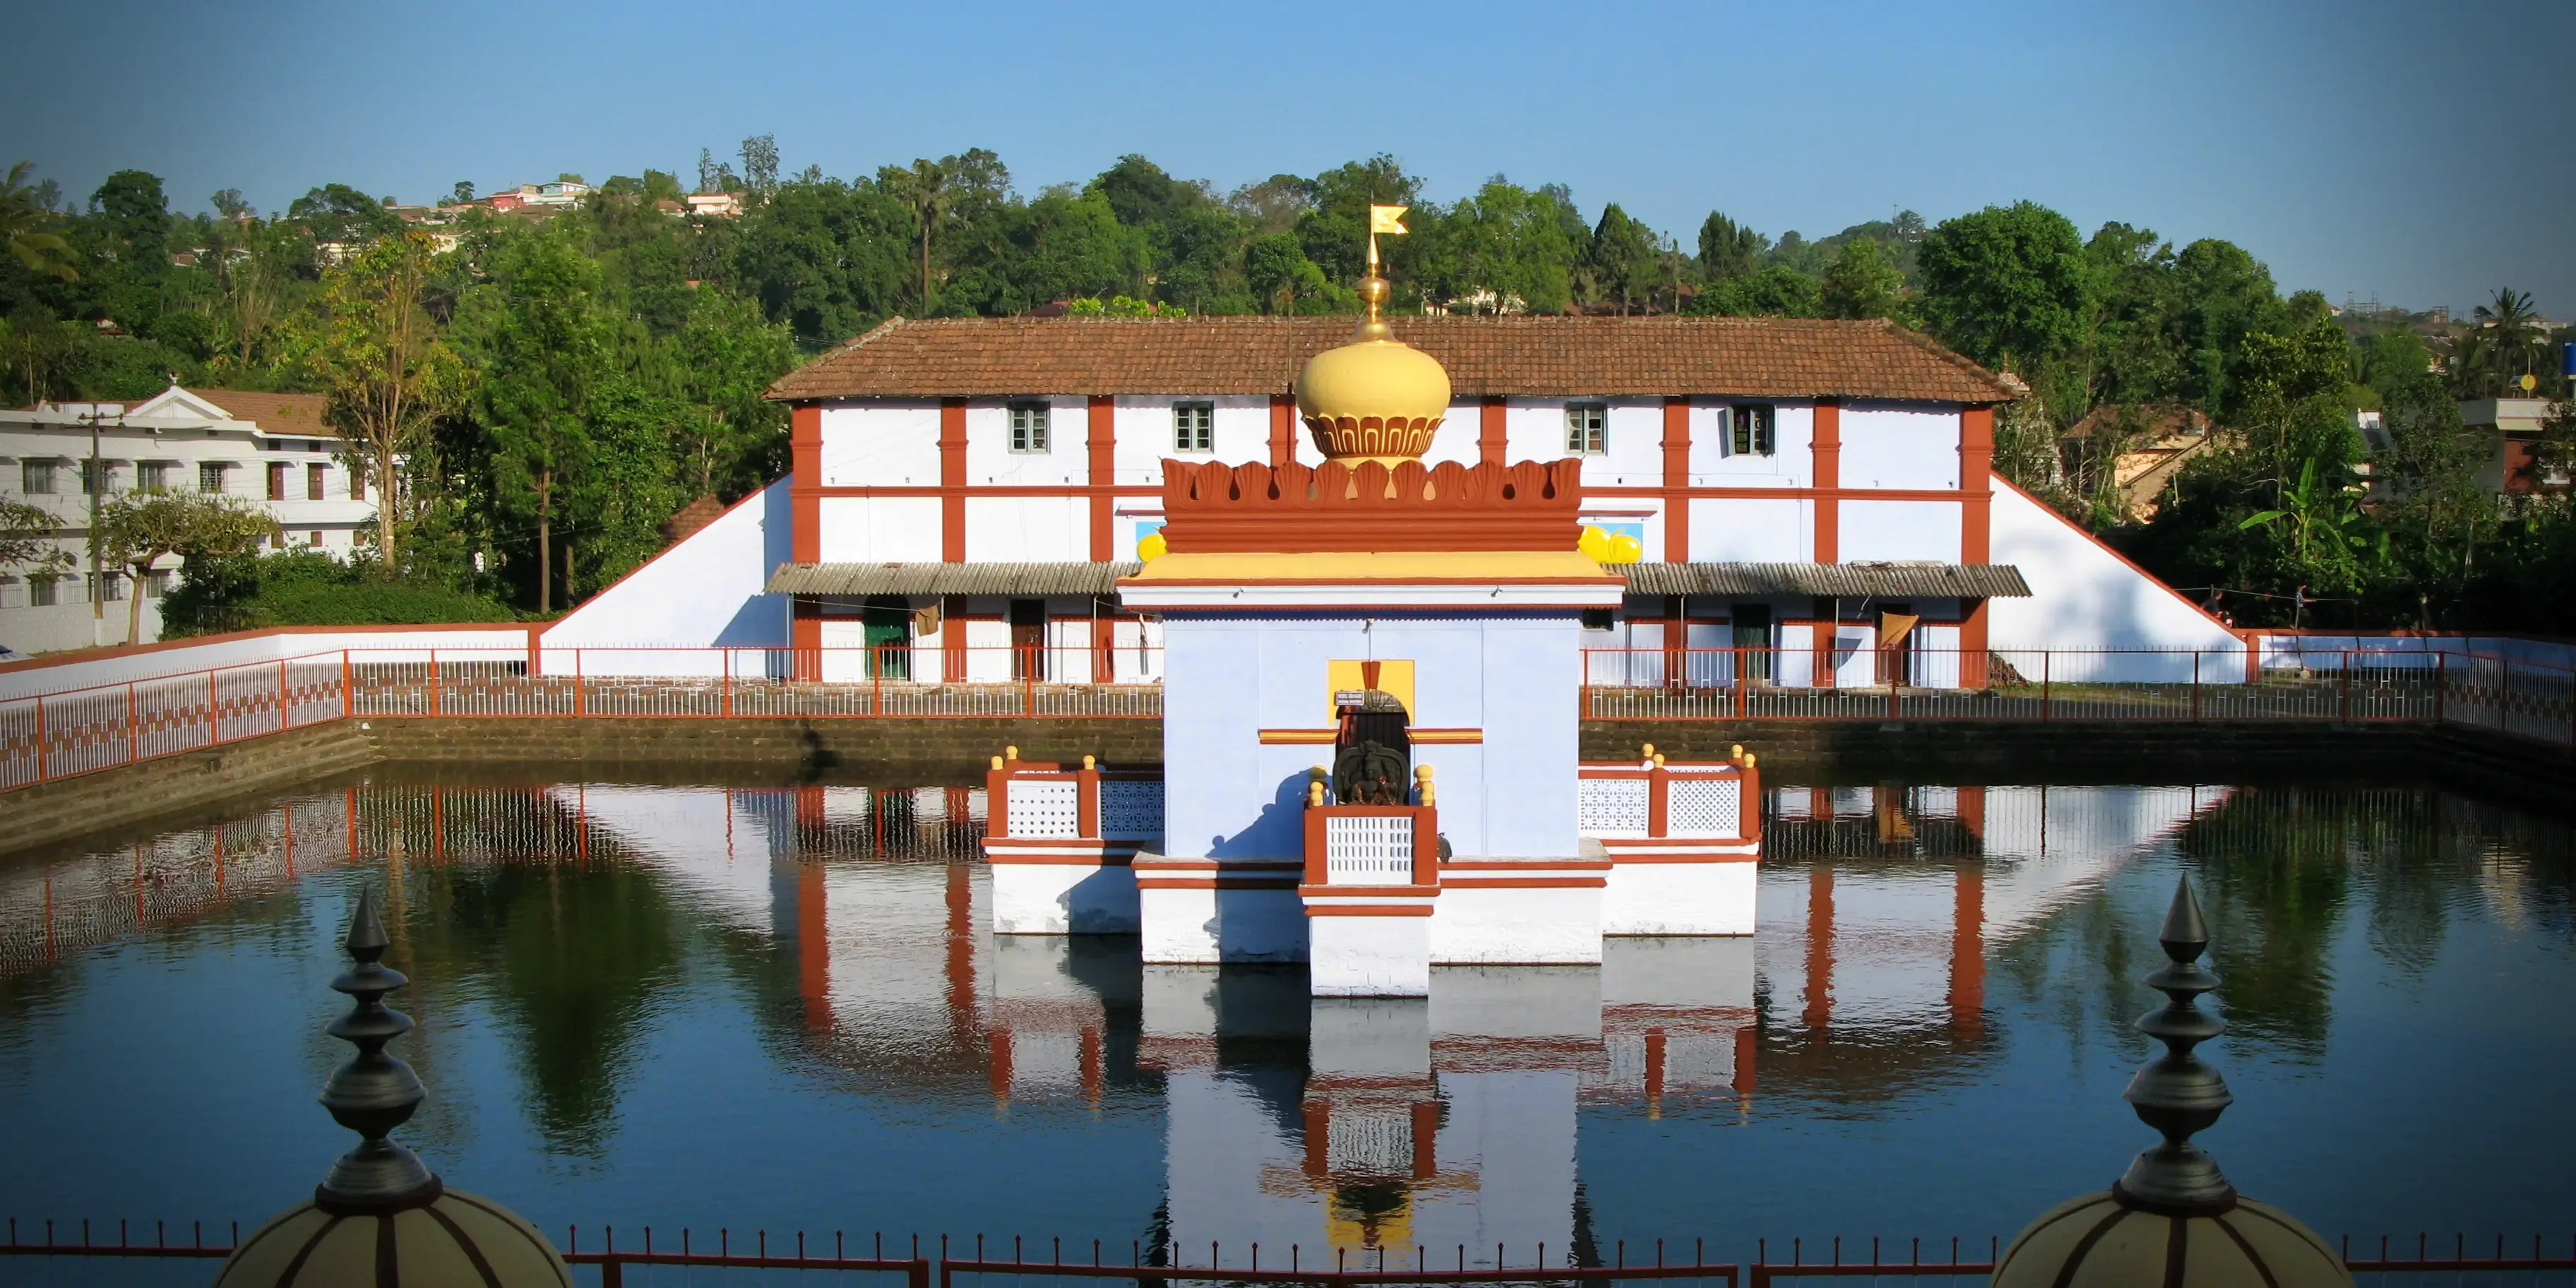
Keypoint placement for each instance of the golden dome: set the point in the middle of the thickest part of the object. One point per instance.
(1376, 398)
(2100, 1240)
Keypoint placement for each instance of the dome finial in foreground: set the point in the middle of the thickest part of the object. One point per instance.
(2173, 1219)
(382, 1216)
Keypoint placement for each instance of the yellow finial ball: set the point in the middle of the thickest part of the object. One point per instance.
(1595, 543)
(1152, 547)
(1625, 549)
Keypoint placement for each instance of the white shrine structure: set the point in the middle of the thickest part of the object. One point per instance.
(1371, 722)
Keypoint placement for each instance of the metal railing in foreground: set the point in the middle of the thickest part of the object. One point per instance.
(612, 1260)
(2390, 1261)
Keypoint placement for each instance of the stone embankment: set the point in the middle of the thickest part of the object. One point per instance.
(2464, 759)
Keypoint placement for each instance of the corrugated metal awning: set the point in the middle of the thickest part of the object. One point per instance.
(1023, 579)
(1847, 580)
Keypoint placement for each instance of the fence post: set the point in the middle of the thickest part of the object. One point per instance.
(2044, 695)
(1743, 685)
(1028, 682)
(433, 681)
(133, 727)
(876, 682)
(40, 739)
(2345, 702)
(281, 695)
(214, 711)
(724, 658)
(2504, 694)
(577, 707)
(348, 687)
(2195, 684)
(2441, 674)
(1895, 685)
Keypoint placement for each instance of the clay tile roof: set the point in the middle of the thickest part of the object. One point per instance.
(299, 414)
(1528, 356)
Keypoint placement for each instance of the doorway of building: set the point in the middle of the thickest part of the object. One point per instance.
(1028, 639)
(887, 630)
(1753, 639)
(1896, 643)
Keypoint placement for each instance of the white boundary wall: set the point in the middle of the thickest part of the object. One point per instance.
(505, 641)
(705, 592)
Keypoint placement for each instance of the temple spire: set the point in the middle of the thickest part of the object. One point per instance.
(373, 1092)
(2178, 1093)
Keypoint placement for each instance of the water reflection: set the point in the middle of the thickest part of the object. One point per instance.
(1913, 939)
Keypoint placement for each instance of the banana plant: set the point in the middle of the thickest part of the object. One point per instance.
(2325, 526)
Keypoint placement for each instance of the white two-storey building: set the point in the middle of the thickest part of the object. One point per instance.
(271, 449)
(967, 492)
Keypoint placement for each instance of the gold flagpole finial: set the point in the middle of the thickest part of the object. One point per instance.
(1374, 289)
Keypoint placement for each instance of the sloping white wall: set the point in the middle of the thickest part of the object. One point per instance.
(703, 592)
(2084, 595)
(498, 642)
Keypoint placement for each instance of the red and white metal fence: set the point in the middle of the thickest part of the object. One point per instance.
(58, 735)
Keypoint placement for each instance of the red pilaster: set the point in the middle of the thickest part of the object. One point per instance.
(1102, 443)
(1490, 435)
(1677, 447)
(1828, 456)
(1972, 643)
(1283, 429)
(1976, 479)
(805, 640)
(952, 480)
(805, 485)
(1968, 952)
(1820, 947)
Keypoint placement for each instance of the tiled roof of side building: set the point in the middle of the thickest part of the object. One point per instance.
(1525, 356)
(299, 414)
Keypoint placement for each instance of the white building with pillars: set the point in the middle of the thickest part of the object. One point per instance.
(967, 492)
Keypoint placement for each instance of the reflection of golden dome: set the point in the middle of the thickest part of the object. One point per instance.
(1376, 398)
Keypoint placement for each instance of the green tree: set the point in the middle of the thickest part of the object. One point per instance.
(728, 355)
(1279, 272)
(1861, 283)
(1769, 291)
(541, 348)
(1728, 250)
(25, 224)
(2509, 337)
(1622, 259)
(135, 532)
(2007, 286)
(27, 540)
(375, 348)
(336, 212)
(130, 237)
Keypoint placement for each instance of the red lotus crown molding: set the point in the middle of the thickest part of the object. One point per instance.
(1297, 509)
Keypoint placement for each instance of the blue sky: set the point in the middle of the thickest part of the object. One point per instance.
(2411, 151)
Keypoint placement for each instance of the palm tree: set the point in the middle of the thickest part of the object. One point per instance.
(927, 187)
(2512, 331)
(22, 222)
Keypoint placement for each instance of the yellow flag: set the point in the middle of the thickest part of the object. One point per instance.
(1387, 219)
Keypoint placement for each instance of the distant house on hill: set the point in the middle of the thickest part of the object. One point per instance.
(2142, 448)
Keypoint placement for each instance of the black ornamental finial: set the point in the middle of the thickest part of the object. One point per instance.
(2177, 1093)
(374, 1092)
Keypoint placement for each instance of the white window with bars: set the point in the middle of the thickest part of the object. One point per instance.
(153, 476)
(1587, 428)
(1193, 427)
(210, 476)
(36, 478)
(1029, 427)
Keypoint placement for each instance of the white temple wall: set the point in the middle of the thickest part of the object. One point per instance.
(1896, 445)
(881, 443)
(1027, 529)
(1226, 679)
(1751, 530)
(704, 591)
(2085, 596)
(878, 529)
(1898, 531)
